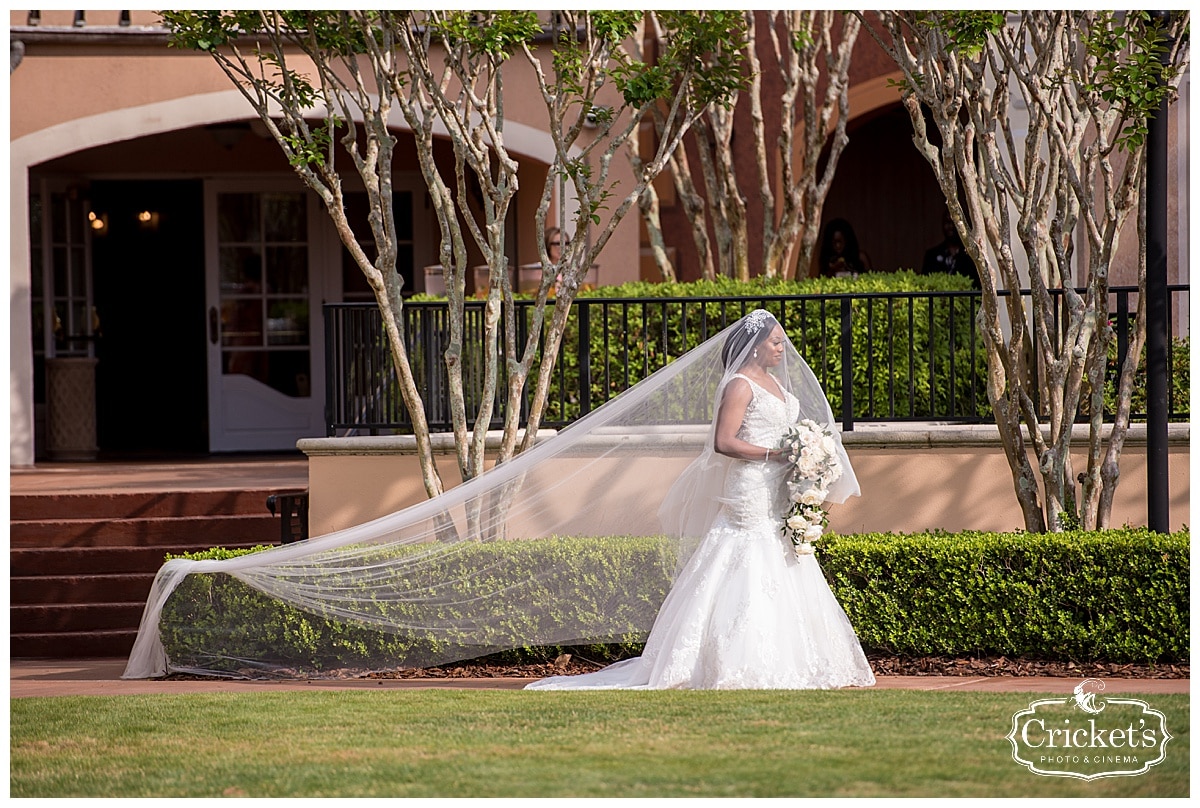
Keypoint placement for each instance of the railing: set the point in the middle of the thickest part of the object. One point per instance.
(880, 357)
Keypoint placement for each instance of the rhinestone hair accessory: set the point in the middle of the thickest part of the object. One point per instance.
(756, 320)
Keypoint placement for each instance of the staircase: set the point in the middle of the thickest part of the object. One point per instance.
(82, 564)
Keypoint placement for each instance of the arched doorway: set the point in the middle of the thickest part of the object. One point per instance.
(153, 277)
(887, 191)
(206, 263)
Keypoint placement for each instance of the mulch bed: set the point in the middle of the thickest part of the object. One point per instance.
(882, 665)
(1001, 666)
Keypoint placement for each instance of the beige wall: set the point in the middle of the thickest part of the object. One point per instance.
(971, 488)
(905, 488)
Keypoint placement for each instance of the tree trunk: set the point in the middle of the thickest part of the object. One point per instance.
(1058, 181)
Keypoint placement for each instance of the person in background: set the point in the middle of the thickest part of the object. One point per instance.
(841, 257)
(950, 256)
(554, 244)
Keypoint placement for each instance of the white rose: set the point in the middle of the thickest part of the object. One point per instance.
(797, 522)
(812, 533)
(803, 549)
(813, 496)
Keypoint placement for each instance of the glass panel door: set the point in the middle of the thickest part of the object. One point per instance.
(262, 239)
(264, 294)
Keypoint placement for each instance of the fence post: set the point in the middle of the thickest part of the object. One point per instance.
(332, 365)
(585, 354)
(847, 368)
(1158, 480)
(1122, 329)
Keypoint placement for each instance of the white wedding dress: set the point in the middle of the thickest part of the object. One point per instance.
(745, 612)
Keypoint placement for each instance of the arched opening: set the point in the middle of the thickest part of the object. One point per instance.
(152, 265)
(887, 191)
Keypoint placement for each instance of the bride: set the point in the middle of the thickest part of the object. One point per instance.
(745, 611)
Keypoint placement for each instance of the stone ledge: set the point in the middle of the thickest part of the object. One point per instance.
(865, 435)
(929, 435)
(443, 443)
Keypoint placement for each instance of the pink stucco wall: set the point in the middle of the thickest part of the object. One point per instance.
(905, 489)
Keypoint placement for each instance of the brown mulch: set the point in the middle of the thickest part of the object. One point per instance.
(1001, 666)
(882, 665)
(568, 664)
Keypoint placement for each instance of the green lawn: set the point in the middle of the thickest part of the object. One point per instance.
(446, 743)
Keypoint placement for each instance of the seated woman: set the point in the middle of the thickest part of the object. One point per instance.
(841, 257)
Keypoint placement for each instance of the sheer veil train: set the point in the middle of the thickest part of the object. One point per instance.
(575, 541)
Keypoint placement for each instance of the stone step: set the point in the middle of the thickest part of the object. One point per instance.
(42, 561)
(79, 589)
(75, 617)
(139, 504)
(72, 644)
(82, 565)
(208, 531)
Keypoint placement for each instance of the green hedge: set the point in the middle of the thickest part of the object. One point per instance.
(214, 621)
(1180, 376)
(642, 340)
(1117, 596)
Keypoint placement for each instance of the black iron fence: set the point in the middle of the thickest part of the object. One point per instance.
(890, 357)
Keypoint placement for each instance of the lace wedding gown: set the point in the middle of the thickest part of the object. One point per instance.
(745, 612)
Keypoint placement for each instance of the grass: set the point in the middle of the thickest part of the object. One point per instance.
(451, 743)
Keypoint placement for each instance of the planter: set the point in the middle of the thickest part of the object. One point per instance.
(483, 281)
(529, 277)
(435, 281)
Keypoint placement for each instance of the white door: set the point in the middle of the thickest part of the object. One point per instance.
(264, 367)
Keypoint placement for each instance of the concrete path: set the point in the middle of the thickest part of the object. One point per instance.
(102, 677)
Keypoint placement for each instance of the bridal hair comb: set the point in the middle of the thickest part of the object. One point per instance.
(756, 320)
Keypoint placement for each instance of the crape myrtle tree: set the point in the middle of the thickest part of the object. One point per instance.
(320, 80)
(796, 147)
(1058, 187)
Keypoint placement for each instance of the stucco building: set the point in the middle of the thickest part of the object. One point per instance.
(156, 228)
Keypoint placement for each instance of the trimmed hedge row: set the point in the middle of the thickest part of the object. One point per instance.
(1116, 596)
(642, 340)
(899, 366)
(483, 596)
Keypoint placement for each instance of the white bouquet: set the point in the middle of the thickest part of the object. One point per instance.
(812, 452)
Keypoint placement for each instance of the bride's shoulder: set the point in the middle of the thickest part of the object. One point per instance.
(739, 387)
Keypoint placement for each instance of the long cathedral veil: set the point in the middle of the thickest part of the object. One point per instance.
(575, 541)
